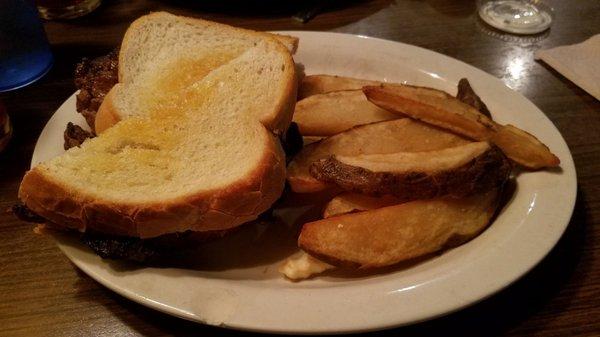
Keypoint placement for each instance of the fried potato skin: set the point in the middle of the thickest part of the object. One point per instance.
(483, 172)
(321, 84)
(383, 137)
(349, 202)
(334, 112)
(451, 114)
(388, 235)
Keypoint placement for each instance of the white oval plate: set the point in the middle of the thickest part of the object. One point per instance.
(241, 289)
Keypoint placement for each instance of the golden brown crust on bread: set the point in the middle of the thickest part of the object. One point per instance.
(106, 115)
(210, 210)
(219, 208)
(288, 42)
(282, 121)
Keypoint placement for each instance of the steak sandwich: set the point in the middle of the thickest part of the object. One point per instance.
(187, 139)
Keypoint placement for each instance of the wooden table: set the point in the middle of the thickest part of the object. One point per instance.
(43, 294)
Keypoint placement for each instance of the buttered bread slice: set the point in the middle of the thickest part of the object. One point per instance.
(188, 138)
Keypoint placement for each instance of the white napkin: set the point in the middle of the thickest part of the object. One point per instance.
(579, 62)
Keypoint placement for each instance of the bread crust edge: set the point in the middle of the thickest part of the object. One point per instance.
(217, 209)
(209, 210)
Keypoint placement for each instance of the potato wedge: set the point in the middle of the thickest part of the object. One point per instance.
(451, 114)
(348, 202)
(400, 135)
(524, 148)
(321, 84)
(457, 171)
(435, 108)
(338, 108)
(388, 235)
(334, 112)
(311, 139)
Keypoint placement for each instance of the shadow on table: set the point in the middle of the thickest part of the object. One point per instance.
(282, 15)
(455, 8)
(253, 8)
(494, 316)
(251, 251)
(259, 7)
(254, 14)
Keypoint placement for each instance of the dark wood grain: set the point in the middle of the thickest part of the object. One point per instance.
(43, 294)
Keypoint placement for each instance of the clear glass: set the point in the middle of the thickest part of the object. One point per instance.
(65, 9)
(516, 16)
(25, 54)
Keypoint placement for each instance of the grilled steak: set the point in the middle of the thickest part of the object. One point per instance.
(154, 250)
(94, 78)
(23, 213)
(468, 96)
(75, 135)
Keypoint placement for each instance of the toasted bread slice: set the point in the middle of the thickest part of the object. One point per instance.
(388, 235)
(334, 112)
(195, 149)
(457, 171)
(451, 114)
(200, 46)
(401, 135)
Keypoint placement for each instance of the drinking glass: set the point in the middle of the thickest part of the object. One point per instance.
(25, 54)
(516, 16)
(65, 9)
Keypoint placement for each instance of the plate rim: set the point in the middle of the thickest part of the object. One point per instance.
(572, 197)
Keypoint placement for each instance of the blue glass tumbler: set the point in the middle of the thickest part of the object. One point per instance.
(25, 54)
